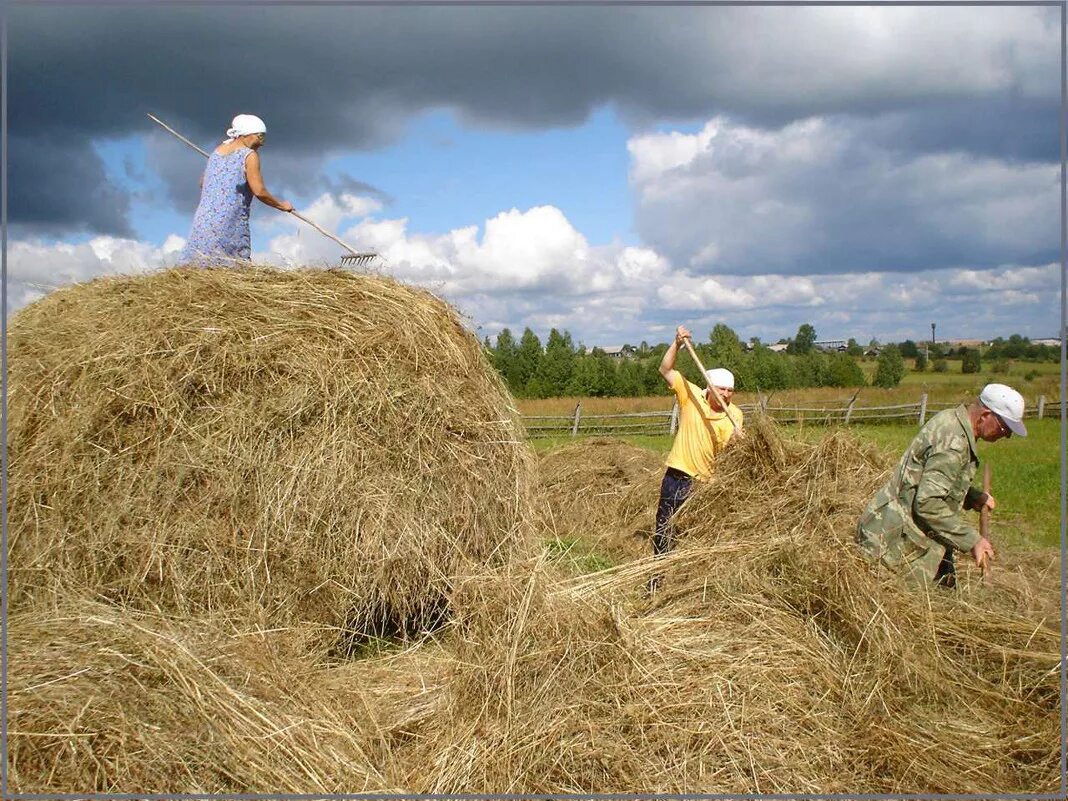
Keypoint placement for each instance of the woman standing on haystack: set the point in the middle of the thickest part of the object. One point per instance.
(220, 232)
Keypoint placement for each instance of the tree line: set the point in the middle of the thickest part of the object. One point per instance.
(561, 368)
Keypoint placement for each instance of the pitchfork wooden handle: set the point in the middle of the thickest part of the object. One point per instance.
(704, 375)
(984, 523)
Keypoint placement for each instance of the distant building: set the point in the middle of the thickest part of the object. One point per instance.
(831, 345)
(1049, 341)
(779, 347)
(620, 351)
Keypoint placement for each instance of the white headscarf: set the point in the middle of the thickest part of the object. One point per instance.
(721, 377)
(245, 124)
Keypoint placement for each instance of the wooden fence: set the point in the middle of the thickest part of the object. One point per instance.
(832, 412)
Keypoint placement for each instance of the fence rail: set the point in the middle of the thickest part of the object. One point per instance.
(833, 412)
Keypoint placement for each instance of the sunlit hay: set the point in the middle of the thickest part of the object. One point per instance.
(782, 540)
(309, 446)
(602, 491)
(109, 700)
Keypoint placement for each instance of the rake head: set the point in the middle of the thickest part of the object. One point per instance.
(358, 259)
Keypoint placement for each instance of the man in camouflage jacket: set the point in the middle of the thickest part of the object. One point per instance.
(914, 522)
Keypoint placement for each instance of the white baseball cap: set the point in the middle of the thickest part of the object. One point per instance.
(1007, 404)
(720, 377)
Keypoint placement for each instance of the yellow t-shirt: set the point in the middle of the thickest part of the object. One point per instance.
(694, 450)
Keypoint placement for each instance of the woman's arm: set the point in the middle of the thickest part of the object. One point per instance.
(255, 183)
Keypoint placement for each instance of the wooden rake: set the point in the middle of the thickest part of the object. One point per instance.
(353, 257)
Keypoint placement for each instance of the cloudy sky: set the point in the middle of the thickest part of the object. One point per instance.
(612, 171)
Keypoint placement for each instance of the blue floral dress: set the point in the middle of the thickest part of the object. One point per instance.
(220, 226)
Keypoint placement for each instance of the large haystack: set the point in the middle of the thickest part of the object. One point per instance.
(312, 447)
(109, 700)
(602, 492)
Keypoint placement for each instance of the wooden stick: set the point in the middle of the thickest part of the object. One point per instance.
(704, 375)
(295, 213)
(984, 525)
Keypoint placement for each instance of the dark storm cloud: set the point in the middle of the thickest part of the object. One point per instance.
(58, 186)
(331, 80)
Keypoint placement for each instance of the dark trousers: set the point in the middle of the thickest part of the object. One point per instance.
(674, 489)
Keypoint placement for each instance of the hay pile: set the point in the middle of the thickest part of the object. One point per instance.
(601, 491)
(310, 448)
(103, 699)
(773, 660)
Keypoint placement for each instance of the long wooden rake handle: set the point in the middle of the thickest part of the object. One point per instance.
(295, 213)
(984, 525)
(704, 375)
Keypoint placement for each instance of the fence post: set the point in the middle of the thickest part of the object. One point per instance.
(1041, 405)
(674, 416)
(763, 401)
(849, 409)
(578, 413)
(923, 408)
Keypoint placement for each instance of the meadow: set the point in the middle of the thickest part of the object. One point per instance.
(1025, 472)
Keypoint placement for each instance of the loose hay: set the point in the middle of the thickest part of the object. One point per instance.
(109, 700)
(603, 492)
(774, 659)
(311, 446)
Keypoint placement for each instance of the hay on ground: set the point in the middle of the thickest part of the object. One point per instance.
(108, 700)
(603, 492)
(774, 659)
(313, 447)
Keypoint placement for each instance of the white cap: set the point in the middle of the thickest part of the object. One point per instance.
(720, 377)
(245, 124)
(1006, 403)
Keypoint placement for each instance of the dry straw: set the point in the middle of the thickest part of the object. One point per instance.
(603, 492)
(773, 659)
(313, 447)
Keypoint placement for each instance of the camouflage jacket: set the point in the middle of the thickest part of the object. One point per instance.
(910, 522)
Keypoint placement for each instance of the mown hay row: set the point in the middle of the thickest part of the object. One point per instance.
(312, 446)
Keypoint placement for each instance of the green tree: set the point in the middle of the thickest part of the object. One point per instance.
(503, 356)
(940, 366)
(527, 358)
(726, 349)
(594, 375)
(556, 366)
(803, 341)
(854, 349)
(921, 361)
(843, 371)
(629, 379)
(890, 368)
(908, 349)
(970, 362)
(771, 370)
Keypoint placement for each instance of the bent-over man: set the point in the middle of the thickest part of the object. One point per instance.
(914, 523)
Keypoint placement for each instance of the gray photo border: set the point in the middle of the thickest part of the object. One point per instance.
(5, 5)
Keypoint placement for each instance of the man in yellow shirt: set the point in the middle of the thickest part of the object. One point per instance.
(703, 431)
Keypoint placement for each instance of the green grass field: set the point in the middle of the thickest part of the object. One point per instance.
(1025, 474)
